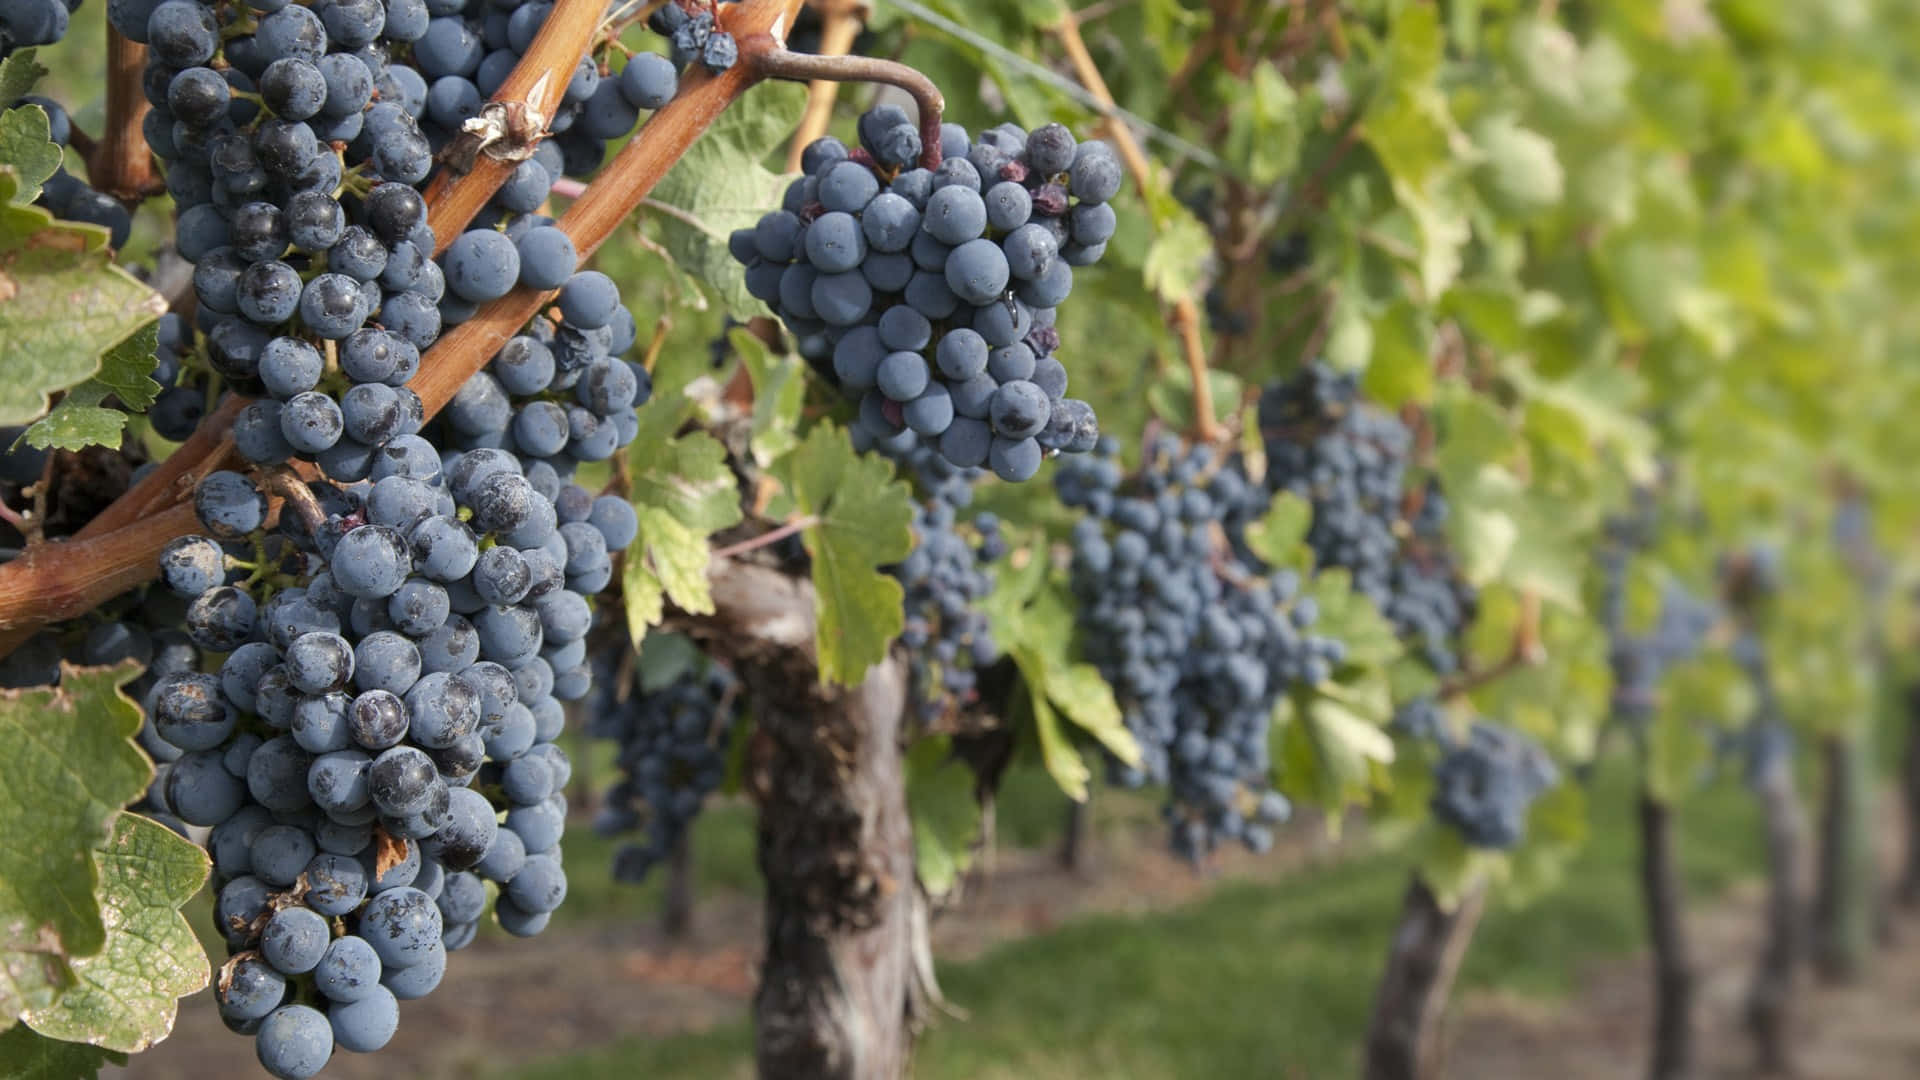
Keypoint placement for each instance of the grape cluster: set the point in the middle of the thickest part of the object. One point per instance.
(1484, 786)
(929, 294)
(1348, 460)
(945, 579)
(1196, 643)
(370, 722)
(673, 754)
(692, 36)
(376, 746)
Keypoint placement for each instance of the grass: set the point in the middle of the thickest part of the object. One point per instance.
(1255, 979)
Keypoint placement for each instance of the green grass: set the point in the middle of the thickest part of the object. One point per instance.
(1255, 979)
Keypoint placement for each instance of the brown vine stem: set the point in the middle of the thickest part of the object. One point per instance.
(120, 163)
(532, 91)
(289, 486)
(766, 539)
(778, 63)
(840, 22)
(1184, 317)
(756, 25)
(205, 450)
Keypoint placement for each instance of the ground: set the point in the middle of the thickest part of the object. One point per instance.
(1143, 968)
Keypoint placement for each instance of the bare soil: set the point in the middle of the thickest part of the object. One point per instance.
(510, 1002)
(506, 1002)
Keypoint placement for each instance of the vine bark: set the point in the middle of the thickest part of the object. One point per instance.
(843, 985)
(1673, 976)
(1404, 1038)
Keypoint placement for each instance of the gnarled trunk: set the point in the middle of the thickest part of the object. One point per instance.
(1404, 1038)
(845, 975)
(1076, 841)
(1770, 998)
(676, 914)
(1673, 978)
(1909, 891)
(1843, 908)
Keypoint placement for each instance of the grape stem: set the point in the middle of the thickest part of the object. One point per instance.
(1185, 315)
(1527, 651)
(531, 93)
(778, 63)
(12, 517)
(289, 486)
(840, 23)
(766, 539)
(119, 163)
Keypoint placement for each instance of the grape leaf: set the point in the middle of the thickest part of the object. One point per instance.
(1325, 753)
(127, 994)
(1349, 616)
(864, 519)
(779, 390)
(683, 493)
(719, 185)
(71, 765)
(1279, 536)
(1063, 762)
(1033, 621)
(27, 1055)
(62, 304)
(25, 144)
(81, 420)
(670, 561)
(945, 812)
(19, 73)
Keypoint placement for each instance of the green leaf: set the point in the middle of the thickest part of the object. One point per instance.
(719, 185)
(1326, 752)
(62, 304)
(779, 390)
(1263, 125)
(1176, 260)
(27, 1055)
(71, 765)
(127, 994)
(1348, 616)
(864, 521)
(1171, 395)
(1062, 761)
(26, 145)
(19, 73)
(685, 475)
(1522, 171)
(1400, 370)
(80, 420)
(682, 492)
(1279, 537)
(945, 812)
(669, 561)
(1032, 618)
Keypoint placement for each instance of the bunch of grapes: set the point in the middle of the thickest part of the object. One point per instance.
(1197, 645)
(1348, 460)
(945, 579)
(929, 293)
(1485, 786)
(673, 754)
(693, 37)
